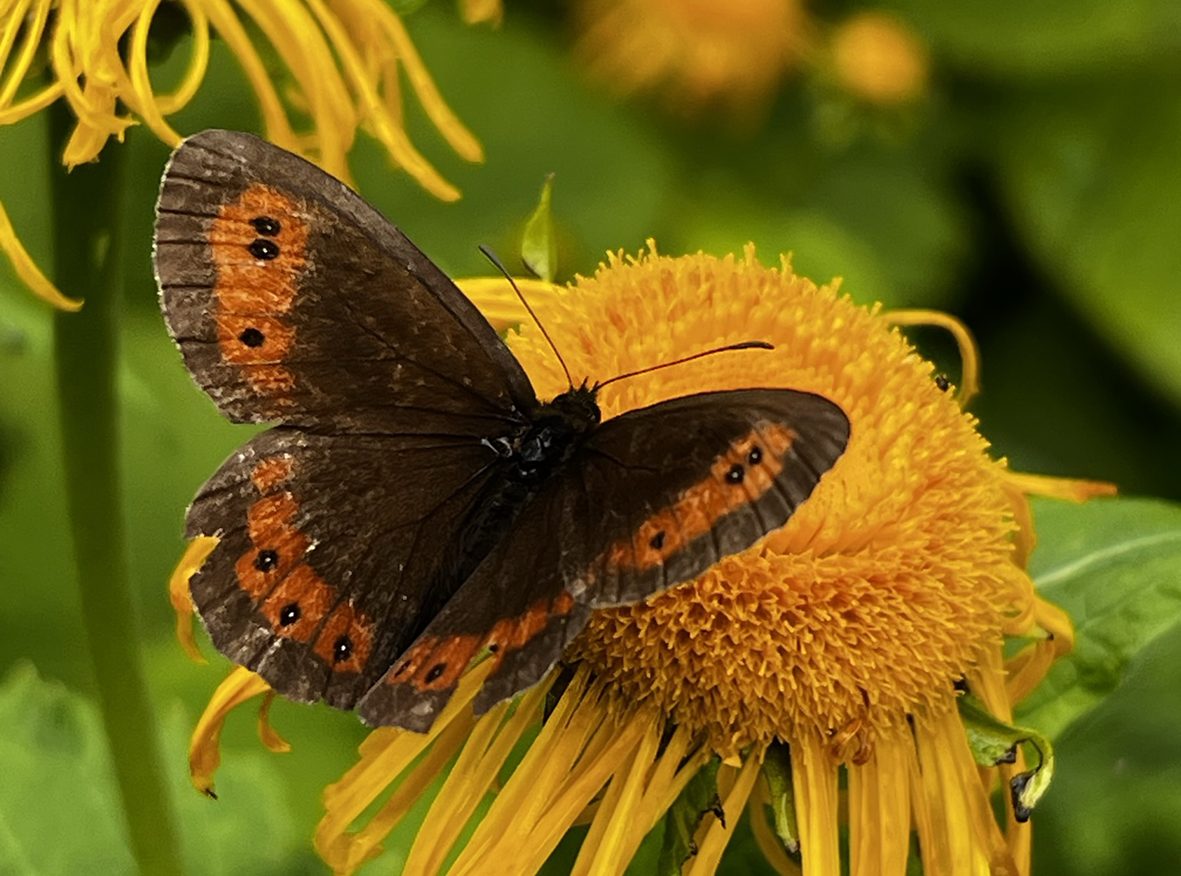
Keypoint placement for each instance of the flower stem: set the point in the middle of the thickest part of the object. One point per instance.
(86, 261)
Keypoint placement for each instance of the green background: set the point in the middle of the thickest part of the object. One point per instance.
(1035, 192)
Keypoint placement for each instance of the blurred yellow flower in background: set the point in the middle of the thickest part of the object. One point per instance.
(342, 66)
(695, 53)
(879, 59)
(833, 651)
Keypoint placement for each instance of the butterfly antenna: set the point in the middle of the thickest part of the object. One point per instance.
(744, 345)
(491, 256)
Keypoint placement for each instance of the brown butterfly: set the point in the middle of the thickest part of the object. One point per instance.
(416, 506)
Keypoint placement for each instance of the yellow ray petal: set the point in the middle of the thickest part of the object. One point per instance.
(441, 115)
(499, 303)
(267, 734)
(607, 847)
(879, 809)
(140, 91)
(385, 754)
(814, 780)
(602, 761)
(205, 744)
(27, 270)
(1071, 489)
(32, 18)
(347, 852)
(965, 838)
(473, 775)
(194, 557)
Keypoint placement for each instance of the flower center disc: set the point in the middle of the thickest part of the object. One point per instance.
(885, 587)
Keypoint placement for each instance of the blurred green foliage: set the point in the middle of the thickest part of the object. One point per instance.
(1035, 192)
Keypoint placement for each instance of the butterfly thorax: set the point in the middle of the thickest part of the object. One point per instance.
(553, 434)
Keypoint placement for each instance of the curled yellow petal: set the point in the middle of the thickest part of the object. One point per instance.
(32, 19)
(27, 269)
(266, 733)
(194, 556)
(969, 352)
(205, 744)
(146, 103)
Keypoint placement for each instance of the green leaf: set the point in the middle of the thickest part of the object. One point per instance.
(777, 772)
(1019, 38)
(1099, 203)
(699, 798)
(59, 805)
(994, 742)
(1115, 567)
(539, 245)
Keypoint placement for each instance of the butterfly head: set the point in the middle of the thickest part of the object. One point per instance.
(577, 407)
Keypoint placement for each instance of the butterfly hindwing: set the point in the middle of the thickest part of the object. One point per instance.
(653, 499)
(294, 300)
(321, 577)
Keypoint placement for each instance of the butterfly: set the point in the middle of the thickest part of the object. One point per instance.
(414, 506)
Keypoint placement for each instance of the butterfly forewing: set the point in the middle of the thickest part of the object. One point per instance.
(294, 300)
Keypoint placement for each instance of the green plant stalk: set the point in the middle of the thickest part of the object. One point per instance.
(86, 262)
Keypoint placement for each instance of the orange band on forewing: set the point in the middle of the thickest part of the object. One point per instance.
(231, 327)
(253, 293)
(698, 508)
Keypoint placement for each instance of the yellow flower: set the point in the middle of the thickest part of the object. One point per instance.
(844, 638)
(696, 52)
(342, 66)
(878, 58)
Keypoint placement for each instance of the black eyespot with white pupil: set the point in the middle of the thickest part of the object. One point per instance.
(736, 473)
(265, 225)
(755, 456)
(435, 672)
(252, 337)
(342, 649)
(266, 560)
(264, 249)
(288, 614)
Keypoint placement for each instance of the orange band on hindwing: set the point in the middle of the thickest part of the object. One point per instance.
(436, 663)
(743, 473)
(259, 251)
(296, 602)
